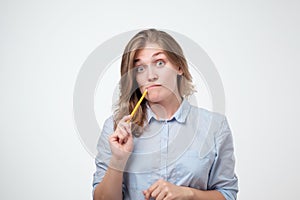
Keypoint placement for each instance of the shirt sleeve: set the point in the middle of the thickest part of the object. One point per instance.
(222, 175)
(104, 153)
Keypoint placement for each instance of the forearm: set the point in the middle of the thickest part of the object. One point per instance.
(111, 185)
(195, 194)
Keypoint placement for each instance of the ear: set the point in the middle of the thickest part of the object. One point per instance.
(179, 71)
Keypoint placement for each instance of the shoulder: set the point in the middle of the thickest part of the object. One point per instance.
(207, 116)
(208, 126)
(109, 121)
(108, 126)
(105, 132)
(206, 121)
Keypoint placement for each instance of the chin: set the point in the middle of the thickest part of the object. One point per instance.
(161, 96)
(154, 98)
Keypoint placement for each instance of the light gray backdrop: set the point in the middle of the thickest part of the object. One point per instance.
(43, 44)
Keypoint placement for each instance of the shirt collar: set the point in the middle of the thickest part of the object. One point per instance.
(180, 115)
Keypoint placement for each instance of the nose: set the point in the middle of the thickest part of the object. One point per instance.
(152, 75)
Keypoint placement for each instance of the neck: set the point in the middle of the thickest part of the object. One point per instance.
(166, 109)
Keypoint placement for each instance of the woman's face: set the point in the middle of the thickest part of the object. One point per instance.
(157, 74)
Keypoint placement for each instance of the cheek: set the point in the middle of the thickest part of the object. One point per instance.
(170, 82)
(140, 80)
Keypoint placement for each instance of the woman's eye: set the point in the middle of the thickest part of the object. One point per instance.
(160, 63)
(140, 69)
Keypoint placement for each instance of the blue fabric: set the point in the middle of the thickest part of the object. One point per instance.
(194, 149)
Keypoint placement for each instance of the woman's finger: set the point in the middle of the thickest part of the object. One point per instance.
(124, 129)
(125, 118)
(161, 195)
(155, 192)
(128, 128)
(148, 193)
(124, 125)
(123, 134)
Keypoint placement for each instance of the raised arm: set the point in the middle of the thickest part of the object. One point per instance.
(114, 151)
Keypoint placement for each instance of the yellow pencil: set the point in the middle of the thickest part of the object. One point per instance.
(138, 104)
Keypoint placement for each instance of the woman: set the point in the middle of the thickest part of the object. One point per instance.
(169, 149)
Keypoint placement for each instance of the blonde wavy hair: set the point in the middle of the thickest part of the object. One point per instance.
(129, 89)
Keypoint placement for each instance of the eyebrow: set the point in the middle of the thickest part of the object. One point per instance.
(154, 55)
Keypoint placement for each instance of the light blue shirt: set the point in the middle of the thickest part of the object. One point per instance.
(194, 149)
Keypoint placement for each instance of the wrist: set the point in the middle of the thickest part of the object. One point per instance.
(188, 193)
(117, 164)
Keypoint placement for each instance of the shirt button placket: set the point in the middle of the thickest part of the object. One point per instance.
(164, 150)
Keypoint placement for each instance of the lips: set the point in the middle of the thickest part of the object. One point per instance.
(152, 86)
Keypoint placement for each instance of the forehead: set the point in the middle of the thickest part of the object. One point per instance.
(150, 50)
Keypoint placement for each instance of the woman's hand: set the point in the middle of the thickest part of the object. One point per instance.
(121, 143)
(163, 190)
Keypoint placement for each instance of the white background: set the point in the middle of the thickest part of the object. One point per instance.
(255, 48)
